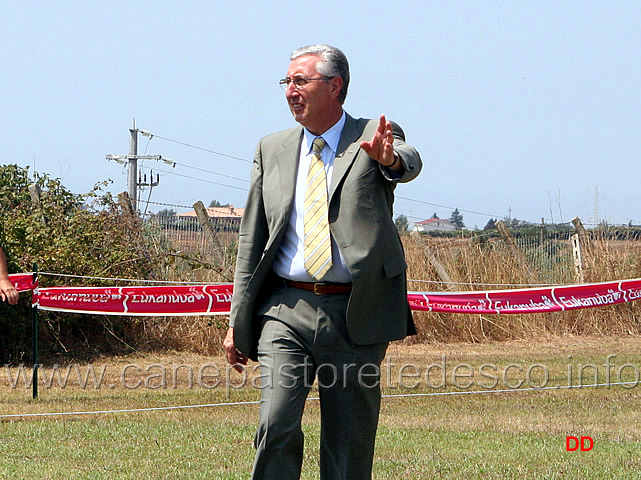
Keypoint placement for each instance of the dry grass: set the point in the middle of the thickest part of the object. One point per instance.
(474, 262)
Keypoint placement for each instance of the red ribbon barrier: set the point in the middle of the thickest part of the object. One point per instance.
(216, 299)
(22, 281)
(137, 301)
(529, 300)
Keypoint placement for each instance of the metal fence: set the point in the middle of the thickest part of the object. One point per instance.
(185, 234)
(547, 255)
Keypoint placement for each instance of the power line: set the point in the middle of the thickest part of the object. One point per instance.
(152, 135)
(445, 206)
(244, 180)
(203, 180)
(168, 204)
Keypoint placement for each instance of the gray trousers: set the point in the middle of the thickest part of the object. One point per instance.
(304, 336)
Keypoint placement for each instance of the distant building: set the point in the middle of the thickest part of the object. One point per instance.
(222, 218)
(434, 225)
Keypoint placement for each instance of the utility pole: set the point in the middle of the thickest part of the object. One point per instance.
(132, 172)
(134, 178)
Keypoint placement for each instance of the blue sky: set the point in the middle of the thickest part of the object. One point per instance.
(528, 109)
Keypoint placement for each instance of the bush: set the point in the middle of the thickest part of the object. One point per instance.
(68, 233)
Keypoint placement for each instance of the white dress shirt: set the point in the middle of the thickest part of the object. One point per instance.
(290, 258)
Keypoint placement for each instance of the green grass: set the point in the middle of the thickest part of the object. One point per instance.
(490, 435)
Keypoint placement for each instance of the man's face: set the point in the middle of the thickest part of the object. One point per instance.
(315, 106)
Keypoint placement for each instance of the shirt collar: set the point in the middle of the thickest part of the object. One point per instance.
(331, 136)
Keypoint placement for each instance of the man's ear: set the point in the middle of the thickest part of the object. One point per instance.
(336, 84)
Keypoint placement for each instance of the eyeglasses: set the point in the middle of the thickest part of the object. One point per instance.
(299, 82)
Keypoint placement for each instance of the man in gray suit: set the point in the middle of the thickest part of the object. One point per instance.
(333, 321)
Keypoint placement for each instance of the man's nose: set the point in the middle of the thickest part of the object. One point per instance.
(291, 91)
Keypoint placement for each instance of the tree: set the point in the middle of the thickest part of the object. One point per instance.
(216, 203)
(402, 224)
(435, 216)
(514, 222)
(491, 225)
(167, 212)
(457, 219)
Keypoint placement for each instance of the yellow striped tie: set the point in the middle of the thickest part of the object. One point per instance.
(318, 246)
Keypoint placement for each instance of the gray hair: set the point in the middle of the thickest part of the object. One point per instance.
(332, 63)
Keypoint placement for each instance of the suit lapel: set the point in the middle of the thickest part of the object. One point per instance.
(287, 162)
(347, 150)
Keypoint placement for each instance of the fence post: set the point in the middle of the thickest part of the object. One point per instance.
(34, 336)
(205, 223)
(34, 192)
(509, 240)
(585, 245)
(440, 270)
(125, 203)
(542, 235)
(582, 233)
(577, 254)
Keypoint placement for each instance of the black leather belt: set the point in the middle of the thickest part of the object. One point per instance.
(321, 288)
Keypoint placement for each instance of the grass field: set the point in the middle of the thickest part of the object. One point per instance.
(460, 435)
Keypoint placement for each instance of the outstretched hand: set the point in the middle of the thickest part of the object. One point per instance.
(381, 146)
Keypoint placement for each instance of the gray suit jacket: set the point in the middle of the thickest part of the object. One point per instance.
(360, 214)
